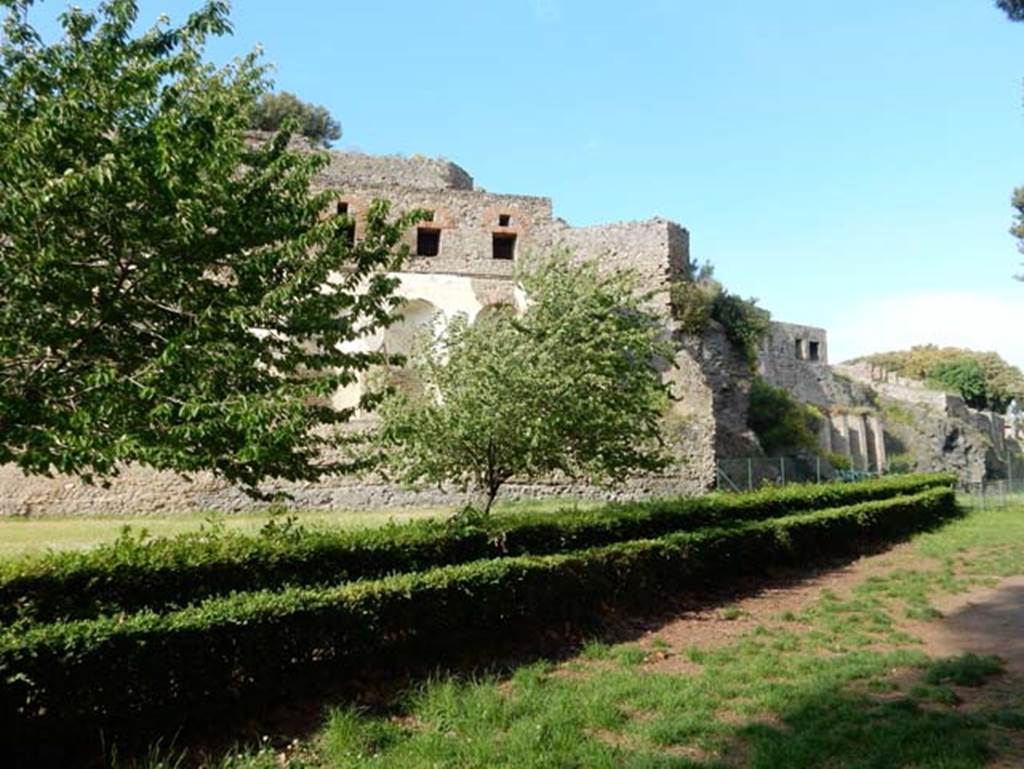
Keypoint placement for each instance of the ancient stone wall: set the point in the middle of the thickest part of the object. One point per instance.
(362, 170)
(937, 429)
(418, 172)
(657, 249)
(139, 491)
(795, 358)
(462, 261)
(725, 378)
(794, 341)
(891, 385)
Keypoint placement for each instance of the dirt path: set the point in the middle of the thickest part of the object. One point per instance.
(984, 621)
(720, 625)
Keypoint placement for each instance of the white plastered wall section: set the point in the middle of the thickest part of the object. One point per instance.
(427, 298)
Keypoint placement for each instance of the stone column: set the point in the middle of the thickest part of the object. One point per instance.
(859, 440)
(877, 446)
(841, 436)
(825, 434)
(998, 432)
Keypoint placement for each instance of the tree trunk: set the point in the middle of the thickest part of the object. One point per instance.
(492, 492)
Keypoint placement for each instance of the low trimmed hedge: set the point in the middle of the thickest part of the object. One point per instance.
(126, 672)
(163, 574)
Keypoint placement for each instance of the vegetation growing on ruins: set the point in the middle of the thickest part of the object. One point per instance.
(838, 461)
(691, 303)
(698, 301)
(782, 424)
(896, 413)
(569, 386)
(745, 323)
(965, 377)
(983, 379)
(273, 112)
(901, 462)
(160, 279)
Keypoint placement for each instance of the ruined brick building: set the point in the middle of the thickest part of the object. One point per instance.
(463, 259)
(795, 358)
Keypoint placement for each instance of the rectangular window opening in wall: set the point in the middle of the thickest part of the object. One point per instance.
(428, 241)
(798, 348)
(504, 220)
(814, 351)
(349, 231)
(503, 246)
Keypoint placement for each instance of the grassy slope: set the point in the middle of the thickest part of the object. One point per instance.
(838, 684)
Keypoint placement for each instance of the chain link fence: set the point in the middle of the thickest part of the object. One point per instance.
(994, 493)
(749, 473)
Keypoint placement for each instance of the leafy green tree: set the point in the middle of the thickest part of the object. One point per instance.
(570, 386)
(169, 294)
(1013, 8)
(782, 424)
(988, 380)
(963, 376)
(313, 121)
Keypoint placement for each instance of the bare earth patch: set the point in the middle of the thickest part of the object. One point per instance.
(983, 621)
(712, 626)
(670, 662)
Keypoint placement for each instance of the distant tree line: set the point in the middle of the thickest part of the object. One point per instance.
(983, 379)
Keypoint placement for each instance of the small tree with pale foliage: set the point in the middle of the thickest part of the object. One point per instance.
(569, 386)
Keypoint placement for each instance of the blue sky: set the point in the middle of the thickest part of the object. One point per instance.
(849, 164)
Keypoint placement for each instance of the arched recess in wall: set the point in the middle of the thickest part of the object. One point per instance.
(492, 310)
(419, 318)
(418, 315)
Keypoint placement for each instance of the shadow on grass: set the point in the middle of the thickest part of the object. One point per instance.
(832, 726)
(932, 728)
(842, 730)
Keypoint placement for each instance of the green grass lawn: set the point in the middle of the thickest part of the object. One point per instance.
(836, 684)
(26, 535)
(32, 535)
